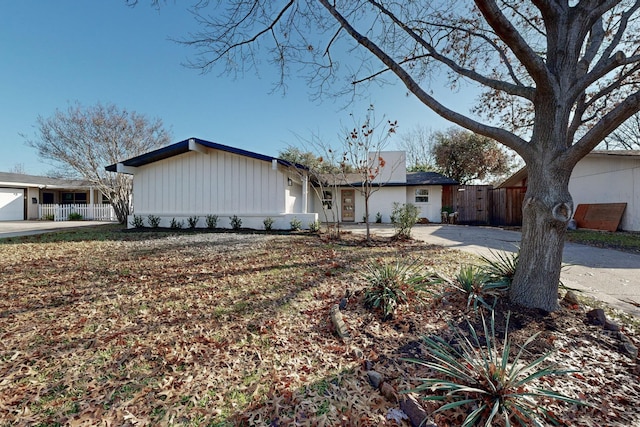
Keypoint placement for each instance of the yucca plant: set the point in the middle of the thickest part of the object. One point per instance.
(393, 284)
(476, 375)
(478, 286)
(501, 266)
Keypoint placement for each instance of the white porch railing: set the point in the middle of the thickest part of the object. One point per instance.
(88, 212)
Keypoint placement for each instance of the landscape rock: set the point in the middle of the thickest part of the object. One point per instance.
(571, 298)
(389, 392)
(611, 326)
(338, 323)
(596, 317)
(416, 413)
(375, 378)
(626, 346)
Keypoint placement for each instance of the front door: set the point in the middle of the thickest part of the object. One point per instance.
(348, 205)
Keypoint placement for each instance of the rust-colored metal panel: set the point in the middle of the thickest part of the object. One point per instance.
(599, 216)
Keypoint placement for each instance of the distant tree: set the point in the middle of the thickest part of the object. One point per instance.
(83, 140)
(18, 168)
(297, 155)
(466, 156)
(626, 137)
(417, 143)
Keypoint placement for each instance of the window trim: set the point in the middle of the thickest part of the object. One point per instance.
(421, 195)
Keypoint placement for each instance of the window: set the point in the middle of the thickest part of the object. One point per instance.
(74, 198)
(327, 199)
(422, 195)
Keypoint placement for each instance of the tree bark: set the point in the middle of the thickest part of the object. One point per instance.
(548, 207)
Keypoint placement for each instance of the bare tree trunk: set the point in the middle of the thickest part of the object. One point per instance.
(547, 209)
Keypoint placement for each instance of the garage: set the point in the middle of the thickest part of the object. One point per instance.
(11, 204)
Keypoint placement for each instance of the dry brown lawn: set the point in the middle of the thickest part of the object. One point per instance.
(119, 328)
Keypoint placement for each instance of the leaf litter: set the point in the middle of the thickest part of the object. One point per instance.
(233, 329)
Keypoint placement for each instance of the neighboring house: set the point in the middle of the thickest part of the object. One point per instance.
(602, 177)
(343, 200)
(23, 197)
(195, 177)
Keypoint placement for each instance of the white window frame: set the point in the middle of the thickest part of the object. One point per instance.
(421, 193)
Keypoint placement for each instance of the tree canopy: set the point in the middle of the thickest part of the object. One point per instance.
(467, 157)
(83, 140)
(556, 77)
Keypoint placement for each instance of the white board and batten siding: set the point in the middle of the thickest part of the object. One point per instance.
(216, 183)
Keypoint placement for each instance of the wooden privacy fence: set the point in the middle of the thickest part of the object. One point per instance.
(88, 212)
(485, 205)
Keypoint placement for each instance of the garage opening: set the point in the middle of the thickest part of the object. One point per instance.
(11, 204)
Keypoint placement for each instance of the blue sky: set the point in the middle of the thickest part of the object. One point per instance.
(58, 52)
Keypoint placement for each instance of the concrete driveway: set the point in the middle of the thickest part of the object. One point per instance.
(608, 275)
(25, 228)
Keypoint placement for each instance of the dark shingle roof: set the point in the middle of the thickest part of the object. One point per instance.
(413, 179)
(429, 178)
(183, 147)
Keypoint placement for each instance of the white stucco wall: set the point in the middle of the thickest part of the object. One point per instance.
(609, 179)
(382, 201)
(432, 210)
(394, 169)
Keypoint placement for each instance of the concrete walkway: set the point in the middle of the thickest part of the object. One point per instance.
(608, 275)
(26, 228)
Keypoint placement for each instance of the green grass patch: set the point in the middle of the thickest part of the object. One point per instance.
(619, 240)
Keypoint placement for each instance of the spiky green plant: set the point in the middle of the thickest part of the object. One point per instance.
(193, 221)
(137, 222)
(501, 266)
(475, 374)
(394, 283)
(212, 221)
(478, 286)
(236, 222)
(268, 223)
(295, 224)
(154, 221)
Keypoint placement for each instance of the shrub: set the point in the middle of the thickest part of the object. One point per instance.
(268, 223)
(404, 217)
(175, 224)
(49, 217)
(236, 222)
(154, 221)
(295, 224)
(75, 216)
(392, 284)
(365, 218)
(478, 286)
(193, 221)
(480, 380)
(212, 221)
(314, 226)
(137, 222)
(378, 218)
